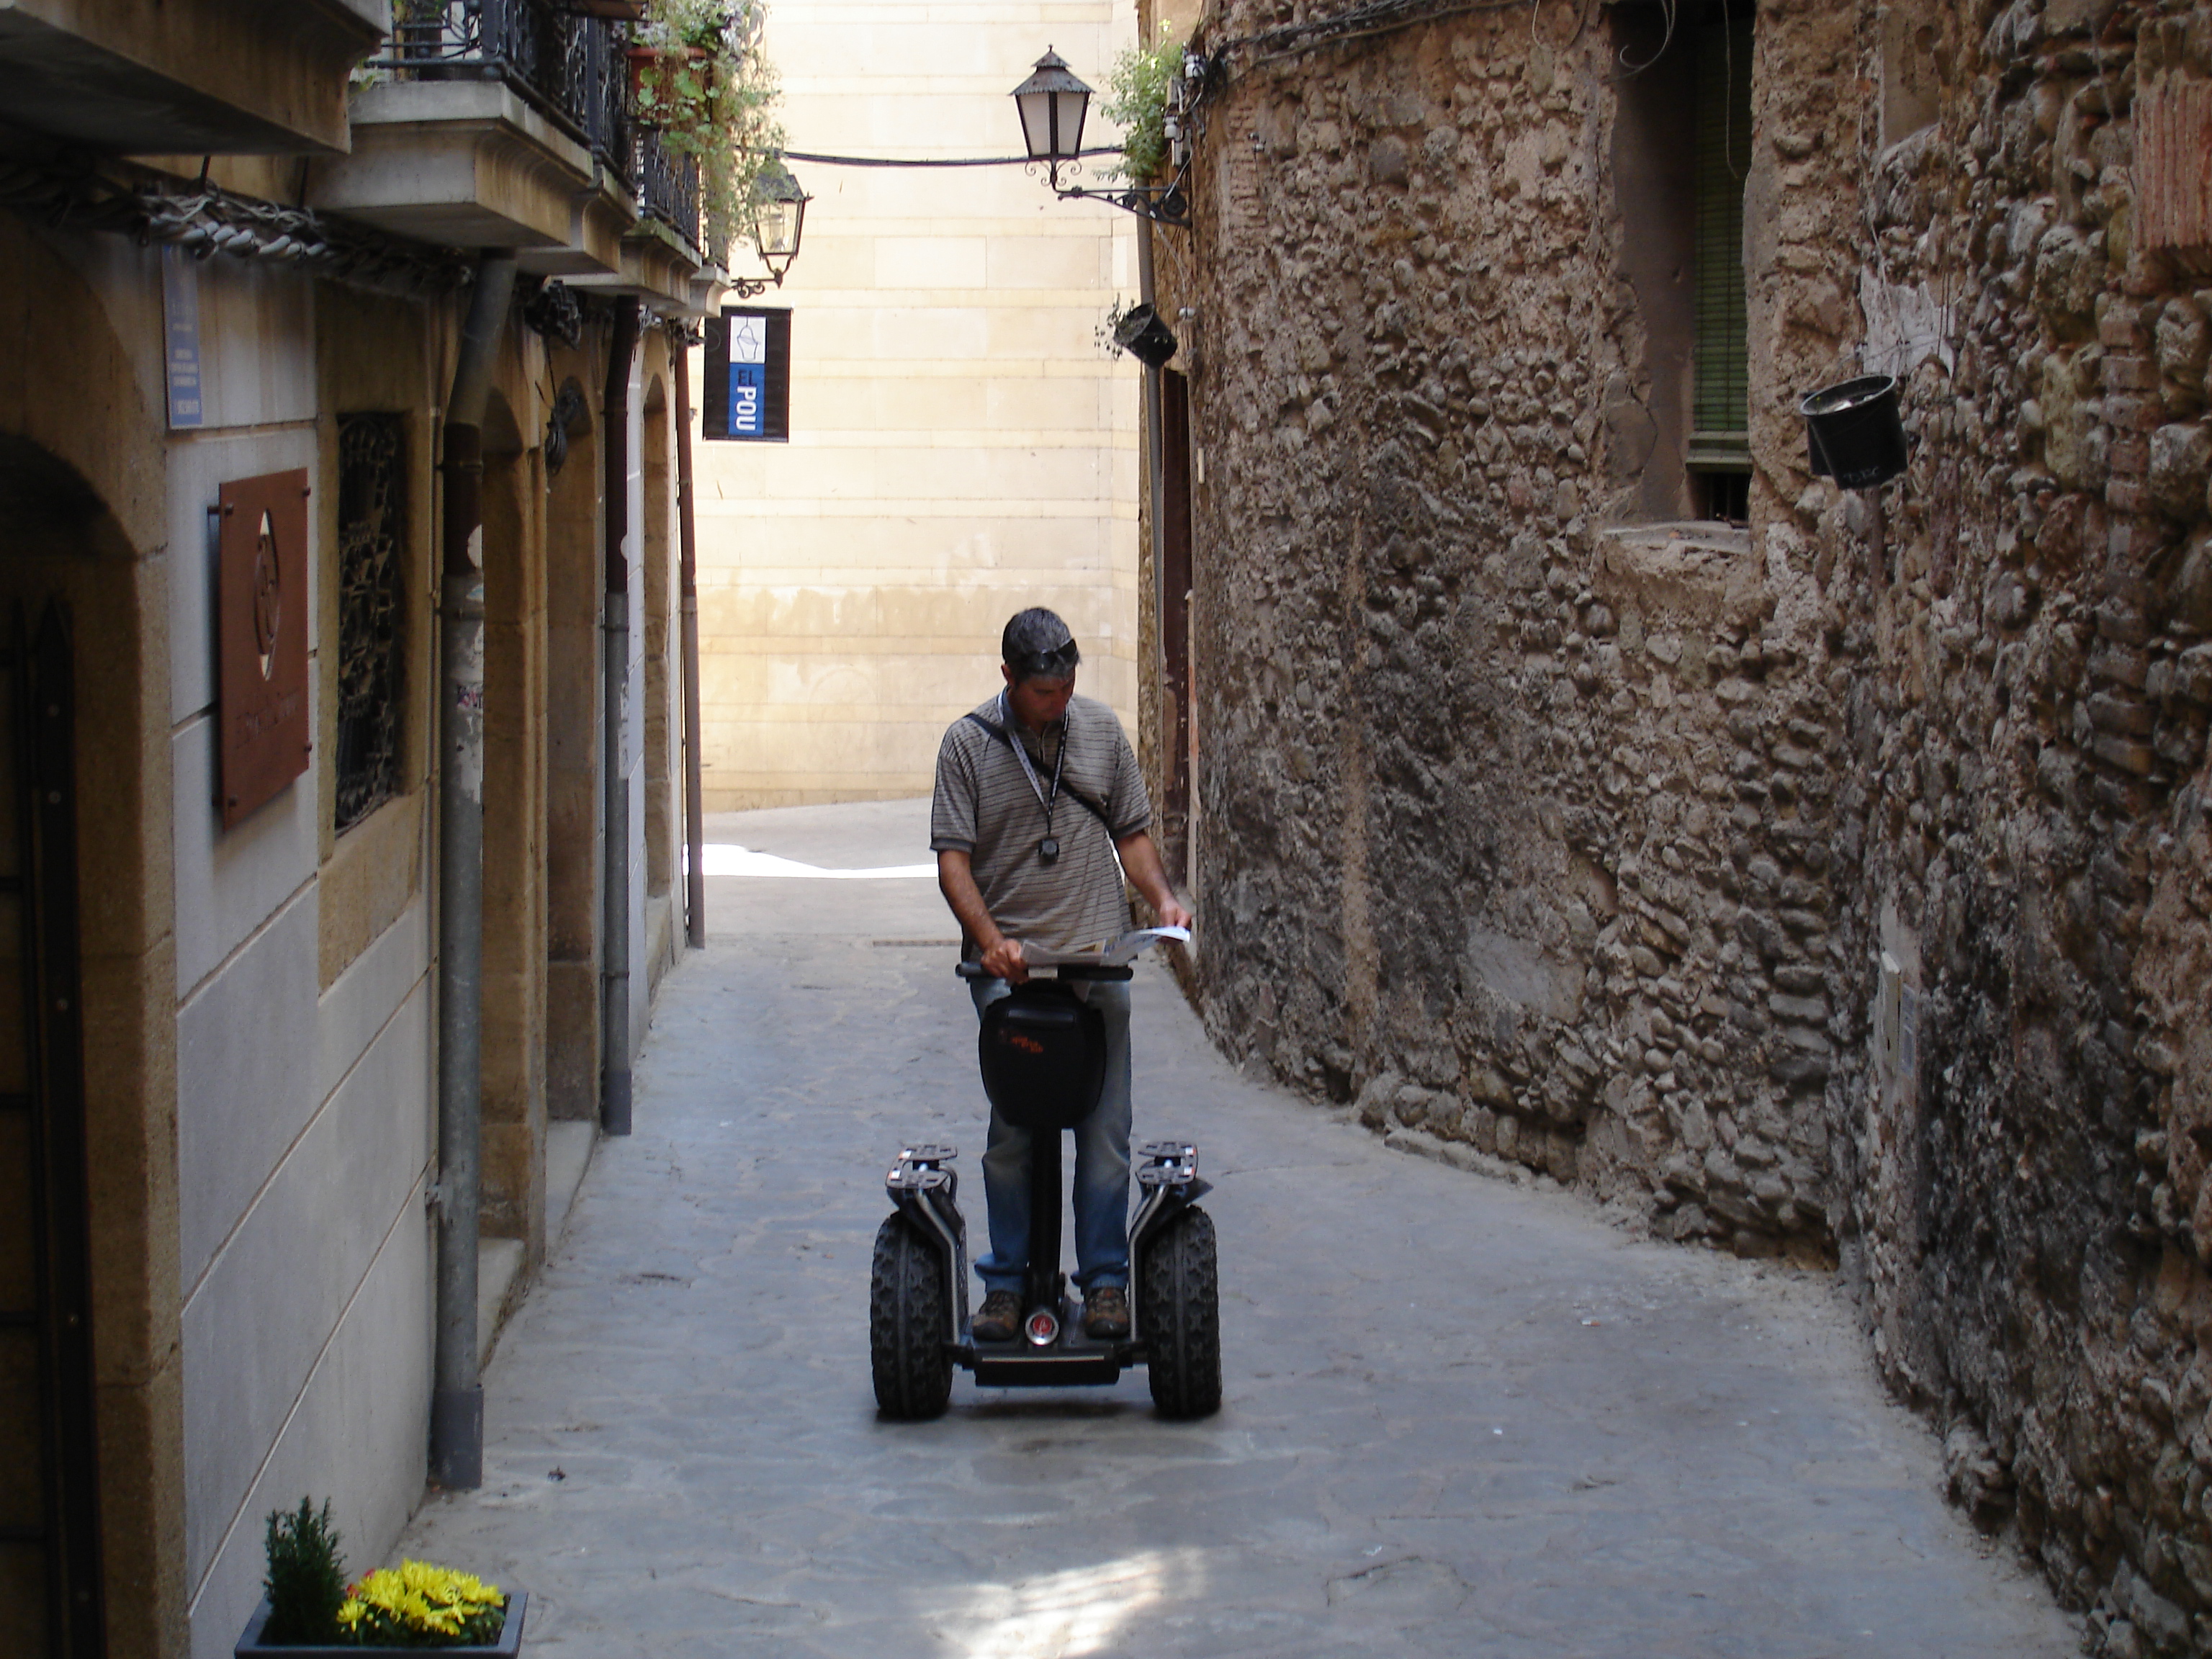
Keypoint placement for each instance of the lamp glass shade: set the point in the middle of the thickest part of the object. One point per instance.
(778, 215)
(1052, 103)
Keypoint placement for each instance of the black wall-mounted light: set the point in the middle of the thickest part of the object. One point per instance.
(1052, 104)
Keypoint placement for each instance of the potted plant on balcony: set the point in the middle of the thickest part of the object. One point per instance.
(701, 76)
(309, 1612)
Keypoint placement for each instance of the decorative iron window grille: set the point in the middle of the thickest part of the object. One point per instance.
(372, 610)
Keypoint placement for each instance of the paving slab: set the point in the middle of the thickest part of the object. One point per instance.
(1461, 1416)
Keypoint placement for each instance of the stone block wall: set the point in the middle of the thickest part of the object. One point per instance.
(1837, 884)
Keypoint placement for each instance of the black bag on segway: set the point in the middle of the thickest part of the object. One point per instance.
(1043, 1050)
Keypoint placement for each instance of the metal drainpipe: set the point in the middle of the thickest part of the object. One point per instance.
(695, 819)
(1156, 497)
(614, 1061)
(457, 1400)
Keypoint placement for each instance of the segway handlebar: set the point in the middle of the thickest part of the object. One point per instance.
(1096, 970)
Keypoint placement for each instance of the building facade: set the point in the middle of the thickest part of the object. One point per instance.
(1578, 779)
(962, 445)
(239, 248)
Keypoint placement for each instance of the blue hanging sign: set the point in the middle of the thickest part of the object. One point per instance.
(748, 375)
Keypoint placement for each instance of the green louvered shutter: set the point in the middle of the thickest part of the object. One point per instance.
(1719, 437)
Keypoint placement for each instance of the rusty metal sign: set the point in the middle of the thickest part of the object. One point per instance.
(262, 606)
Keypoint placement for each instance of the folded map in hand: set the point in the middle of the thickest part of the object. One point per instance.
(1119, 954)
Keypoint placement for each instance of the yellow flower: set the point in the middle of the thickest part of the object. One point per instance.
(419, 1599)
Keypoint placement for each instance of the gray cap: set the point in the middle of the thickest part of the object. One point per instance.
(1037, 646)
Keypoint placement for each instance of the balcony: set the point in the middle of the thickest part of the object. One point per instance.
(493, 124)
(508, 123)
(662, 259)
(668, 187)
(193, 77)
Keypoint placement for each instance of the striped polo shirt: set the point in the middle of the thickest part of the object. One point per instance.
(985, 807)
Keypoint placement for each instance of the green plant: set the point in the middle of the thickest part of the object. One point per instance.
(1137, 102)
(704, 80)
(305, 1583)
(1110, 325)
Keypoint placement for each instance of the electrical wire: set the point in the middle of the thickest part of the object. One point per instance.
(1672, 10)
(1375, 17)
(813, 160)
(206, 219)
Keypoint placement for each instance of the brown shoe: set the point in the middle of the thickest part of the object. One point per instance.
(1105, 1312)
(998, 1318)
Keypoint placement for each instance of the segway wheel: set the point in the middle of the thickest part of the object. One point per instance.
(908, 1322)
(1182, 1317)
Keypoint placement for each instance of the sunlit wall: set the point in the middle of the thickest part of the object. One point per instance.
(960, 446)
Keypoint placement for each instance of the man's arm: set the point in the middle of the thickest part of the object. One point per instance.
(1140, 862)
(956, 879)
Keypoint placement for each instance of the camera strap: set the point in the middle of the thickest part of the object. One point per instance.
(1022, 754)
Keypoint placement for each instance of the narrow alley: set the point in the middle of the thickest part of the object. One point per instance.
(1462, 1416)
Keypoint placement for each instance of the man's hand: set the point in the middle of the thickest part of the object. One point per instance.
(1002, 957)
(1004, 961)
(1140, 862)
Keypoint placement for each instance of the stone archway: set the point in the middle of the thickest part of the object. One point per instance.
(575, 499)
(663, 920)
(84, 525)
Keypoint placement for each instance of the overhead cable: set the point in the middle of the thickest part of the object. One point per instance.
(931, 161)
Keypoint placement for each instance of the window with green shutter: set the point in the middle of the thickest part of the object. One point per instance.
(1720, 442)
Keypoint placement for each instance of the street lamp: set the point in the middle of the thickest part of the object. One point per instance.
(779, 216)
(1052, 103)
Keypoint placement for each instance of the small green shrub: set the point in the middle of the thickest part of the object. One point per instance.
(306, 1584)
(1137, 102)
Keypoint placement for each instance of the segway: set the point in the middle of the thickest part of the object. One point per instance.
(1043, 1051)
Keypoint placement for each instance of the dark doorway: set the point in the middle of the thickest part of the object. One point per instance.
(49, 1571)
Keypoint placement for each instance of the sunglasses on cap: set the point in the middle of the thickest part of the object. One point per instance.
(1056, 663)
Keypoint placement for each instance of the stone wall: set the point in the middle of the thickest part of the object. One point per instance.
(1834, 884)
(1530, 790)
(2025, 724)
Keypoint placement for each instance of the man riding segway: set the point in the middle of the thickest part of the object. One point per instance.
(1039, 813)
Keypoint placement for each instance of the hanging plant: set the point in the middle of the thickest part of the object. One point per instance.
(1137, 102)
(701, 76)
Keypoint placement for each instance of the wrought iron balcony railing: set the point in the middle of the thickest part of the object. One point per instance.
(668, 185)
(571, 68)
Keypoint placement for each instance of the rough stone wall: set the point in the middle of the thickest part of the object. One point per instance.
(1838, 885)
(2022, 1158)
(1515, 830)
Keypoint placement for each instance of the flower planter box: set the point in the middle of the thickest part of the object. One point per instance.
(250, 1646)
(645, 60)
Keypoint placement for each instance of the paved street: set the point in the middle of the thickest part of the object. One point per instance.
(1462, 1417)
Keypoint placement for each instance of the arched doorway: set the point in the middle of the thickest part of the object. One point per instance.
(573, 801)
(63, 557)
(664, 923)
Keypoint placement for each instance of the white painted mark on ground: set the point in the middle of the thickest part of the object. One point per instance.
(720, 858)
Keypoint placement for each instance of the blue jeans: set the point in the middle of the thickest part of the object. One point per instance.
(1101, 1166)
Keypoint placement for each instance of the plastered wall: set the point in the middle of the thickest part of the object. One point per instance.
(961, 445)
